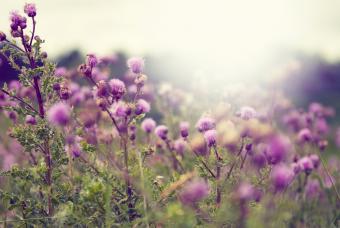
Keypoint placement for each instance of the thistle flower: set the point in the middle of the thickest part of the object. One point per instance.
(118, 88)
(247, 113)
(2, 36)
(304, 135)
(312, 189)
(245, 192)
(161, 132)
(136, 65)
(142, 106)
(91, 60)
(148, 125)
(59, 114)
(184, 129)
(194, 191)
(306, 164)
(205, 124)
(103, 89)
(210, 137)
(278, 148)
(75, 150)
(315, 160)
(179, 146)
(17, 21)
(30, 120)
(281, 176)
(259, 159)
(60, 72)
(30, 9)
(121, 109)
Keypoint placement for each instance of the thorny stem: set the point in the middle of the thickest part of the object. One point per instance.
(234, 164)
(145, 204)
(33, 22)
(201, 160)
(217, 177)
(47, 152)
(128, 183)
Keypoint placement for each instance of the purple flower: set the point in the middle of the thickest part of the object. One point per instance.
(205, 124)
(136, 65)
(59, 114)
(162, 132)
(312, 189)
(103, 89)
(194, 192)
(247, 113)
(2, 36)
(315, 159)
(117, 88)
(148, 125)
(304, 135)
(121, 109)
(295, 167)
(60, 72)
(281, 176)
(142, 106)
(245, 192)
(184, 129)
(30, 9)
(306, 164)
(30, 120)
(210, 137)
(259, 159)
(17, 21)
(179, 146)
(91, 60)
(75, 151)
(278, 148)
(321, 126)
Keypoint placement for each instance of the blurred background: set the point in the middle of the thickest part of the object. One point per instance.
(201, 44)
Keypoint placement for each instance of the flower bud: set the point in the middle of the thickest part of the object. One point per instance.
(2, 36)
(30, 9)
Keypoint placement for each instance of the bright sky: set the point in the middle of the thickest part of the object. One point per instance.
(234, 36)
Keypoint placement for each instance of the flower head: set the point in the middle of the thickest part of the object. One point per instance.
(184, 129)
(91, 60)
(247, 113)
(281, 176)
(306, 164)
(278, 148)
(205, 124)
(179, 146)
(117, 88)
(312, 189)
(30, 9)
(2, 36)
(30, 120)
(304, 135)
(142, 106)
(245, 192)
(59, 114)
(17, 21)
(148, 125)
(136, 65)
(194, 192)
(210, 137)
(162, 132)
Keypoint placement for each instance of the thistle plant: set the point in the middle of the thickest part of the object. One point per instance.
(82, 148)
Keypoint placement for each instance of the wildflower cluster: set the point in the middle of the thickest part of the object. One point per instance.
(85, 148)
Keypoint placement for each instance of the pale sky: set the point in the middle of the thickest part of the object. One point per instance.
(230, 35)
